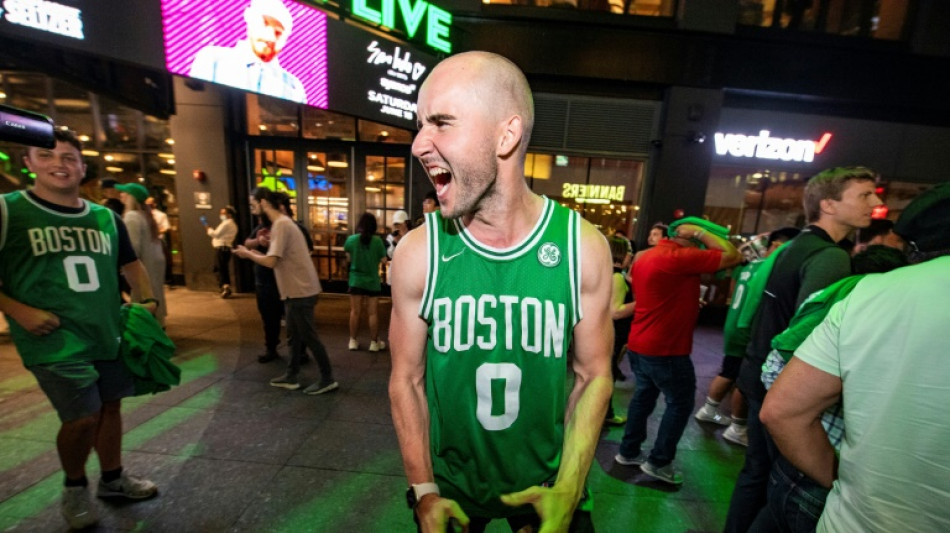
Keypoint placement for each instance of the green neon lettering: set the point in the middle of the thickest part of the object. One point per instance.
(413, 15)
(439, 21)
(360, 9)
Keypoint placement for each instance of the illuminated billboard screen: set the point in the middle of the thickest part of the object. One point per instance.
(272, 47)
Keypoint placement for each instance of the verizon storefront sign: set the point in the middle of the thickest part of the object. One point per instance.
(765, 146)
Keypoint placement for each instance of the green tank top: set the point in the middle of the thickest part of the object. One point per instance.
(500, 323)
(66, 264)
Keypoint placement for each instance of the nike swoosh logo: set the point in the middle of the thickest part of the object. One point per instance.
(447, 258)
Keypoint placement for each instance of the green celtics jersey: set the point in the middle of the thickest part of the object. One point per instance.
(500, 323)
(66, 264)
(750, 284)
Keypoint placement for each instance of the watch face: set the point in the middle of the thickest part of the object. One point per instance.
(411, 498)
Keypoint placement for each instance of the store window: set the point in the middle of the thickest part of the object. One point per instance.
(376, 132)
(604, 190)
(271, 117)
(878, 19)
(385, 188)
(323, 124)
(649, 8)
(275, 117)
(750, 201)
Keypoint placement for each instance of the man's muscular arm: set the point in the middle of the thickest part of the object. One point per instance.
(587, 405)
(407, 392)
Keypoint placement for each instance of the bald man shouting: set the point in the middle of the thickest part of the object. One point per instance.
(487, 424)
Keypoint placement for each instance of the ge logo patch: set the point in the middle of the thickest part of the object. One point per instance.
(549, 254)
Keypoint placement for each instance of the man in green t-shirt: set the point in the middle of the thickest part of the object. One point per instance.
(486, 298)
(59, 286)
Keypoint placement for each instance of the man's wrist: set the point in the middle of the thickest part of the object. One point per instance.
(417, 491)
(144, 301)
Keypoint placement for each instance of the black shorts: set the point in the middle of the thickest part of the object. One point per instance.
(730, 367)
(357, 291)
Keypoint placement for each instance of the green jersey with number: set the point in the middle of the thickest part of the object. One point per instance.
(750, 284)
(66, 264)
(500, 323)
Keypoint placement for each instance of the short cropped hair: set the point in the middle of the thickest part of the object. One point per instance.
(68, 136)
(829, 185)
(619, 247)
(879, 227)
(783, 234)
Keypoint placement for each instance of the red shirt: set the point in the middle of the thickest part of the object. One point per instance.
(666, 289)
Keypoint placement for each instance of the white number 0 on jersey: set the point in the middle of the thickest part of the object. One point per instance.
(511, 374)
(72, 264)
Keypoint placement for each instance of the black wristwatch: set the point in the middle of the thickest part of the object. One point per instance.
(415, 493)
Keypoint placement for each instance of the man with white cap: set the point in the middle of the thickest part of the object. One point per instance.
(400, 228)
(252, 64)
(881, 352)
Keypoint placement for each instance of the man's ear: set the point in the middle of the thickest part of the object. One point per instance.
(511, 136)
(827, 206)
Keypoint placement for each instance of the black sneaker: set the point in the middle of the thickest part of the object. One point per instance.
(321, 388)
(286, 381)
(267, 357)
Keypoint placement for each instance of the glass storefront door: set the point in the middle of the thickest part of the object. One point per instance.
(330, 187)
(328, 210)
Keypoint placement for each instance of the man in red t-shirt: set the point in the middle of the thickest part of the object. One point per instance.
(666, 287)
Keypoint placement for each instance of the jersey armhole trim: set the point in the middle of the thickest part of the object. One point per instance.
(432, 265)
(575, 260)
(4, 220)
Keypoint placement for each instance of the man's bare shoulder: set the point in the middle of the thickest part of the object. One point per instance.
(409, 262)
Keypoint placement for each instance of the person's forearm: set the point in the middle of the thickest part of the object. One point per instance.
(806, 446)
(268, 261)
(10, 307)
(411, 420)
(586, 409)
(137, 277)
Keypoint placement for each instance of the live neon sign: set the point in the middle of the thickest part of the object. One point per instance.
(764, 146)
(383, 12)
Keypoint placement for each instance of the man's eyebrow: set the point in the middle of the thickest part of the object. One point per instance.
(439, 117)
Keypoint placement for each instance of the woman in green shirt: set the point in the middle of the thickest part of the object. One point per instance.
(365, 251)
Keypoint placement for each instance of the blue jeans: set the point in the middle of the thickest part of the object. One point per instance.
(795, 501)
(749, 496)
(675, 378)
(302, 333)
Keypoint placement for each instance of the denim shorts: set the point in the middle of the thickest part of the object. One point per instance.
(78, 389)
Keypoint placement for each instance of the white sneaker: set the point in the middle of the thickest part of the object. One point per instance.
(354, 344)
(708, 413)
(376, 346)
(631, 461)
(737, 434)
(665, 474)
(127, 486)
(77, 508)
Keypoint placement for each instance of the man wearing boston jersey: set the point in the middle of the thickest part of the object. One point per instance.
(487, 426)
(59, 287)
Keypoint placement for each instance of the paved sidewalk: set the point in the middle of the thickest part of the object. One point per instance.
(231, 453)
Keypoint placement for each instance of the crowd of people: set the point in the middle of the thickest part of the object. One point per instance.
(510, 316)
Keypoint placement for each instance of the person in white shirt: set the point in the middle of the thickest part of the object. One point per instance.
(222, 239)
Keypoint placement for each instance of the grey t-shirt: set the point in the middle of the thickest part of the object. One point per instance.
(295, 273)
